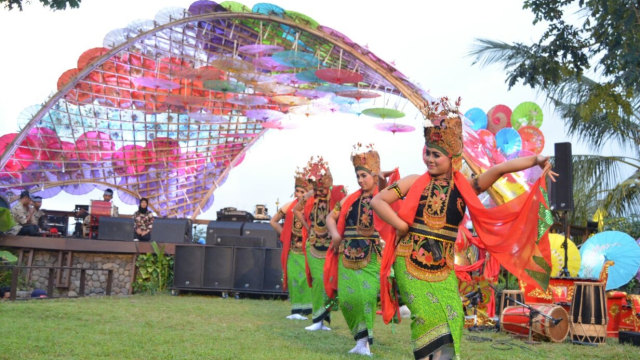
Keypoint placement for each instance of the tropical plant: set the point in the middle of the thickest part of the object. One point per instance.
(52, 4)
(598, 108)
(154, 271)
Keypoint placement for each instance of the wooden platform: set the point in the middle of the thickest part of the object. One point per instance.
(82, 245)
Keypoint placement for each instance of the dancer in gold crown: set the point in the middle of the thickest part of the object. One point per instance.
(312, 212)
(294, 277)
(356, 243)
(426, 224)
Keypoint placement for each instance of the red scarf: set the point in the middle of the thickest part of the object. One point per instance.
(285, 238)
(384, 230)
(336, 195)
(509, 232)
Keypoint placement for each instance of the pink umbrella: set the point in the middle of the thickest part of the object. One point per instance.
(129, 160)
(339, 76)
(394, 128)
(262, 49)
(95, 146)
(164, 151)
(264, 114)
(155, 83)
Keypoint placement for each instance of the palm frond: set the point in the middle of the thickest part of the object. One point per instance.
(624, 199)
(487, 52)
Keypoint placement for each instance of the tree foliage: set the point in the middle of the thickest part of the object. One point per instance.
(587, 63)
(52, 4)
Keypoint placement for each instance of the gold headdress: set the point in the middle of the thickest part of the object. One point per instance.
(301, 180)
(365, 158)
(317, 173)
(443, 129)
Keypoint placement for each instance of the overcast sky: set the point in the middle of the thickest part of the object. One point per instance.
(427, 40)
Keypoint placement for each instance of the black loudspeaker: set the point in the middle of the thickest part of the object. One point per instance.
(218, 267)
(217, 229)
(629, 337)
(592, 226)
(113, 228)
(187, 267)
(272, 271)
(242, 241)
(171, 230)
(263, 230)
(561, 191)
(248, 269)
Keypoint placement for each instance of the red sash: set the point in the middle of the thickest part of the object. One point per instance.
(285, 238)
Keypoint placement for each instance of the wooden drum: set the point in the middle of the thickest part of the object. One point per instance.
(515, 320)
(589, 313)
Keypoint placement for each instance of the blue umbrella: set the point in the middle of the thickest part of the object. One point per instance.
(610, 245)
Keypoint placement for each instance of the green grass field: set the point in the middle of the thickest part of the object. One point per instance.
(208, 327)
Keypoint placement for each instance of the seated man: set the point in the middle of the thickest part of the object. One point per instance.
(23, 213)
(38, 219)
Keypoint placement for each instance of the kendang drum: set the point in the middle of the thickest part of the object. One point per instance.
(515, 320)
(589, 313)
(507, 295)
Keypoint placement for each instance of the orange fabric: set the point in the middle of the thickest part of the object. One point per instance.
(285, 238)
(495, 228)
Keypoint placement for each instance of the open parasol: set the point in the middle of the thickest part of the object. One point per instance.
(248, 100)
(155, 83)
(339, 76)
(224, 86)
(296, 59)
(264, 114)
(290, 100)
(526, 114)
(477, 117)
(556, 242)
(259, 49)
(498, 117)
(394, 128)
(610, 245)
(532, 139)
(508, 141)
(383, 113)
(358, 94)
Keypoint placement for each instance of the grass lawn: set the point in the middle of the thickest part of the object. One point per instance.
(208, 327)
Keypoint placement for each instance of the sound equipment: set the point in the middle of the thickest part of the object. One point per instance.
(233, 214)
(505, 301)
(263, 230)
(100, 208)
(248, 269)
(113, 228)
(261, 213)
(550, 322)
(629, 337)
(218, 267)
(242, 241)
(187, 267)
(217, 229)
(589, 313)
(272, 271)
(171, 230)
(592, 227)
(59, 222)
(561, 191)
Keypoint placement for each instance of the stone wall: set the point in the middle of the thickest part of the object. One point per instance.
(96, 281)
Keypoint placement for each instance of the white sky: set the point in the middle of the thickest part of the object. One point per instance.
(427, 40)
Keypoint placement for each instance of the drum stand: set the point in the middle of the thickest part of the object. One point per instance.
(533, 313)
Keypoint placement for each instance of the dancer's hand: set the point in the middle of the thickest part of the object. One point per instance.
(402, 231)
(545, 165)
(335, 243)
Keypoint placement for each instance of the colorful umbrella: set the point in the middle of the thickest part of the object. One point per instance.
(527, 113)
(498, 117)
(296, 59)
(394, 128)
(610, 245)
(556, 241)
(383, 113)
(339, 76)
(262, 49)
(532, 139)
(508, 141)
(478, 118)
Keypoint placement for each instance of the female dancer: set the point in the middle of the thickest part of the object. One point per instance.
(355, 238)
(312, 212)
(292, 258)
(426, 228)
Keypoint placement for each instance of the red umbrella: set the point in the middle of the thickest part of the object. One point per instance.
(95, 146)
(339, 76)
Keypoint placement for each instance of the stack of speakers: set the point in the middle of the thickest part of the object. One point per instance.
(239, 256)
(163, 230)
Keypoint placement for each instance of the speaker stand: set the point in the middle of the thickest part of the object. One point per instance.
(565, 245)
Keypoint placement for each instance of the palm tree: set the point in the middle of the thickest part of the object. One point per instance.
(601, 183)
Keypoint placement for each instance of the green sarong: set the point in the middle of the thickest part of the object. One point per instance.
(319, 298)
(437, 317)
(358, 297)
(299, 291)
